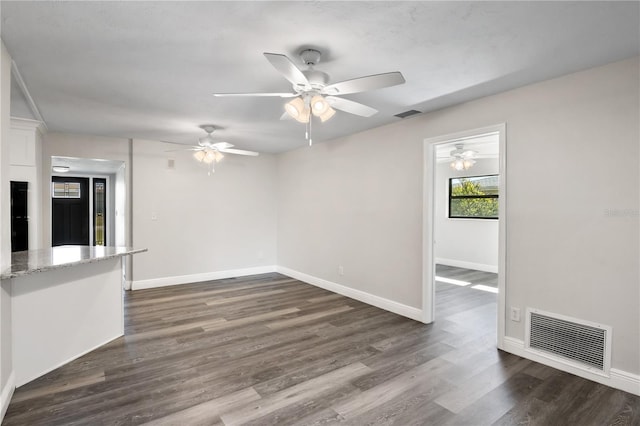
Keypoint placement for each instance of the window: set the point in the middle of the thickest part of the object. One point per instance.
(474, 197)
(66, 189)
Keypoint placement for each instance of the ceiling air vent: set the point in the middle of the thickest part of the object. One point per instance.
(568, 340)
(407, 113)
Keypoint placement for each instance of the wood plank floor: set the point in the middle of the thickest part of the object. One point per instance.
(268, 350)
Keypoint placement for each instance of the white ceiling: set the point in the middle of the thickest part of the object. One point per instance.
(87, 165)
(148, 69)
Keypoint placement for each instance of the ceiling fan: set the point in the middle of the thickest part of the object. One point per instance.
(463, 159)
(314, 95)
(209, 151)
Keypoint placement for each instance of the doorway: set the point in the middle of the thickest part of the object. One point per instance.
(70, 211)
(19, 216)
(105, 214)
(464, 188)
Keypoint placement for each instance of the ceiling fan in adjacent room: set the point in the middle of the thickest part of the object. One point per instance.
(208, 151)
(313, 95)
(463, 159)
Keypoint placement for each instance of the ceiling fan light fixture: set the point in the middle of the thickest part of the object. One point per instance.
(468, 163)
(199, 155)
(305, 116)
(218, 156)
(330, 112)
(319, 105)
(209, 156)
(460, 164)
(295, 107)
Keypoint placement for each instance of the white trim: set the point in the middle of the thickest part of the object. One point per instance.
(362, 296)
(28, 379)
(194, 278)
(27, 95)
(502, 234)
(428, 241)
(618, 379)
(27, 124)
(467, 265)
(6, 394)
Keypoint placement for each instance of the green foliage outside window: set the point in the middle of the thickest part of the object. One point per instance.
(474, 197)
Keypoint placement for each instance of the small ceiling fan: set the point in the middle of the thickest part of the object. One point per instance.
(463, 159)
(209, 151)
(314, 95)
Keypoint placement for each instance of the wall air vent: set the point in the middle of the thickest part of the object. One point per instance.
(407, 113)
(568, 340)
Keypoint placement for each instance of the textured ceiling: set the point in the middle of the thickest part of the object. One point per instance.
(148, 69)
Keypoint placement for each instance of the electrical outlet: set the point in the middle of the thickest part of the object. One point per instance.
(340, 270)
(515, 314)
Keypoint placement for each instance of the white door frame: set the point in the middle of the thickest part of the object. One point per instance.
(428, 261)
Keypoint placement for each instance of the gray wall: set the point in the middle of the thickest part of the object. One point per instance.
(572, 163)
(203, 223)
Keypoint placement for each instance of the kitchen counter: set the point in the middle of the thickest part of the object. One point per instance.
(65, 302)
(33, 261)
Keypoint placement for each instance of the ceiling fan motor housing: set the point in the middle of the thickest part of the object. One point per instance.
(310, 57)
(317, 79)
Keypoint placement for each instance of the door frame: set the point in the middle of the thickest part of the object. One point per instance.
(428, 241)
(90, 191)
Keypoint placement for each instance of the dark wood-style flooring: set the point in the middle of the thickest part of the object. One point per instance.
(270, 350)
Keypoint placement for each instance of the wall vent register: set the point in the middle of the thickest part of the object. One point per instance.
(569, 340)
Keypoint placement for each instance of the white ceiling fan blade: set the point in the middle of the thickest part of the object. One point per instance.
(221, 145)
(362, 84)
(287, 69)
(239, 152)
(351, 107)
(274, 95)
(193, 148)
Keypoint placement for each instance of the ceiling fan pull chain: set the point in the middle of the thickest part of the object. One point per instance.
(309, 124)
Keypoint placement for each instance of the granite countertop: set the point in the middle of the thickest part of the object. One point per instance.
(32, 261)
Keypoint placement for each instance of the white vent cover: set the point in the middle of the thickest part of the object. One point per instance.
(568, 340)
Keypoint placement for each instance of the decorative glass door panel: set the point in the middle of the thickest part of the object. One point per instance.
(99, 211)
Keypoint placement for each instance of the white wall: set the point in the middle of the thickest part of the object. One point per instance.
(572, 209)
(466, 243)
(25, 160)
(203, 224)
(6, 348)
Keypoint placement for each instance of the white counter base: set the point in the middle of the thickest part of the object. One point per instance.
(60, 315)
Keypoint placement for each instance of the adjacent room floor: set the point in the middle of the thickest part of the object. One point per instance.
(269, 349)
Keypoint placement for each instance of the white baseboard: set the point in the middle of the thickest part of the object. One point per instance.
(618, 379)
(467, 265)
(6, 394)
(194, 278)
(371, 299)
